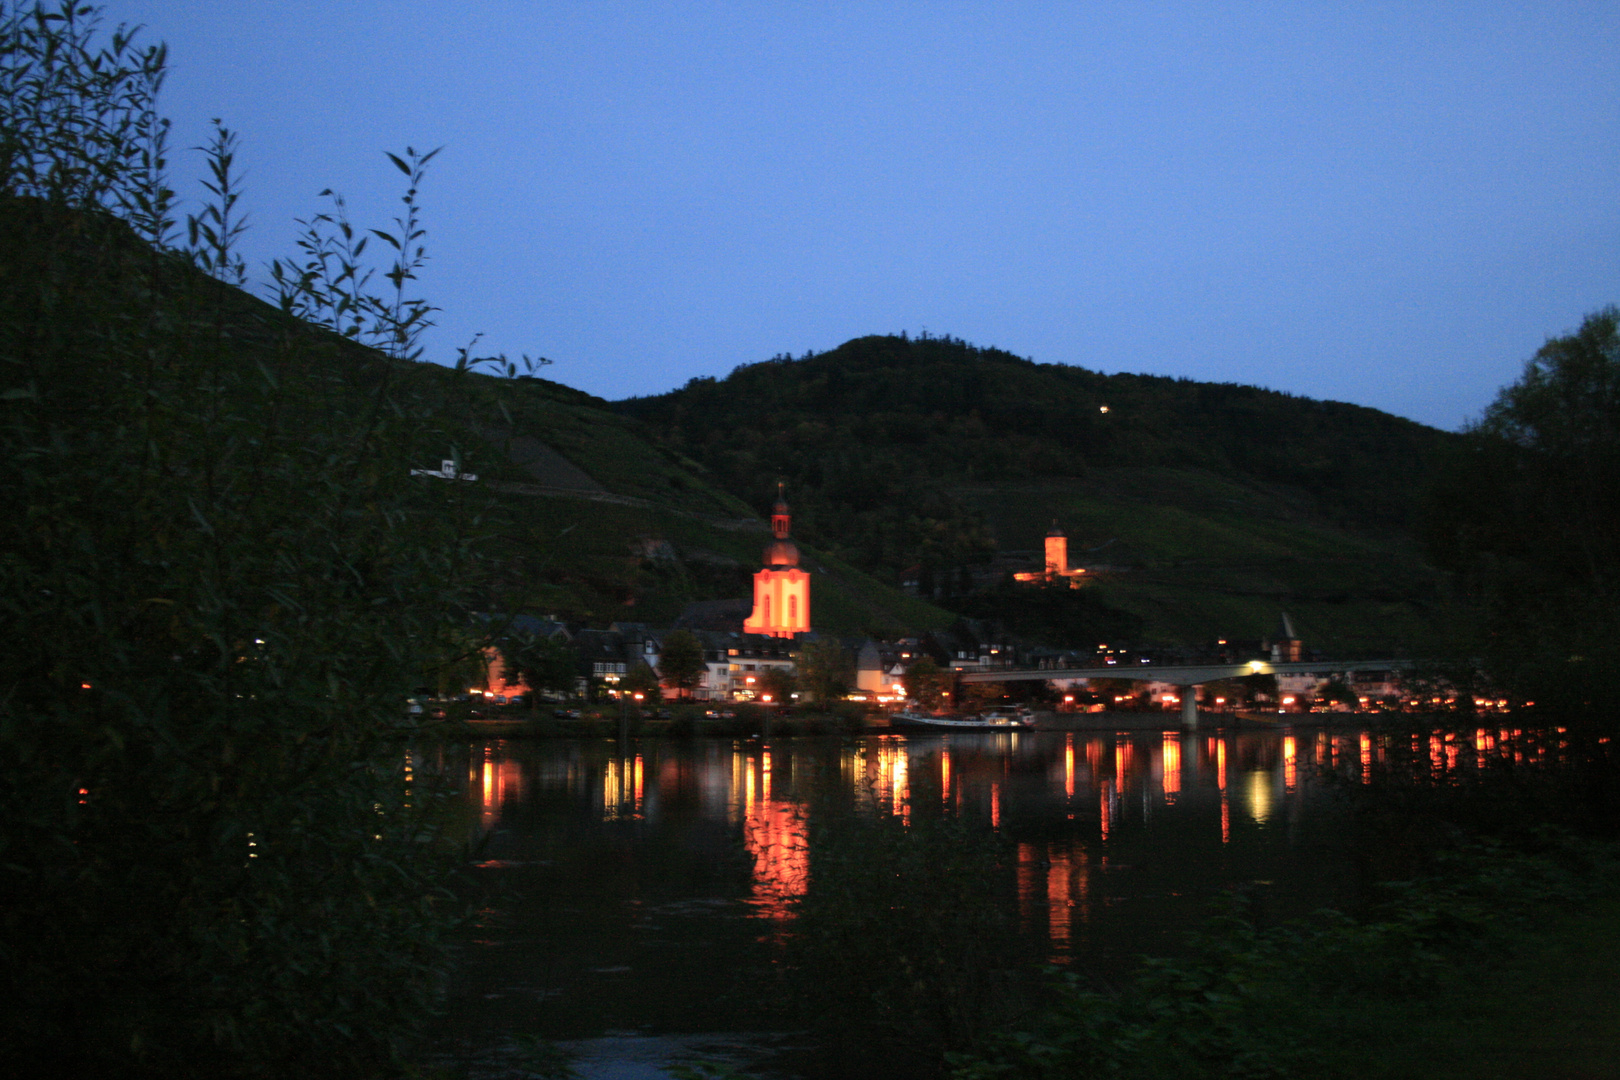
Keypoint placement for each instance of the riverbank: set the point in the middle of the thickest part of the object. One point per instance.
(1504, 965)
(748, 721)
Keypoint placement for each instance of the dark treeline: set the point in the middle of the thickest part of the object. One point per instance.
(1525, 514)
(871, 436)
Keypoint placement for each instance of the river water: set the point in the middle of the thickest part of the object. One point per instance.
(635, 895)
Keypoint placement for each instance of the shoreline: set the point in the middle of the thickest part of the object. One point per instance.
(749, 726)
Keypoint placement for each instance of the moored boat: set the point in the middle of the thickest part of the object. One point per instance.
(999, 719)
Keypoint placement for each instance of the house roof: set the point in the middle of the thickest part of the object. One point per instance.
(726, 616)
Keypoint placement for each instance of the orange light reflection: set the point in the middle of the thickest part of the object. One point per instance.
(1172, 767)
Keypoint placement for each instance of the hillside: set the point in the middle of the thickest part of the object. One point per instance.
(578, 514)
(1205, 509)
(598, 524)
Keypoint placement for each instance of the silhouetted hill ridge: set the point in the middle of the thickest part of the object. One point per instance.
(924, 457)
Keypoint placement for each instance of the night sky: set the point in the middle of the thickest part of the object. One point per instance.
(1393, 204)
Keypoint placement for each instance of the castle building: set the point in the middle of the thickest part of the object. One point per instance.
(781, 589)
(1057, 561)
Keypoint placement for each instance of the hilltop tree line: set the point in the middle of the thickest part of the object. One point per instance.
(872, 436)
(1525, 514)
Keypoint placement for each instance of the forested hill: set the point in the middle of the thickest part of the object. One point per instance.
(931, 452)
(888, 421)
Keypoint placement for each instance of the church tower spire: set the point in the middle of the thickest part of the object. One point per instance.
(781, 520)
(781, 589)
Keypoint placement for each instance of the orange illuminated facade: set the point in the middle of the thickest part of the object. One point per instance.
(1057, 561)
(781, 590)
(498, 681)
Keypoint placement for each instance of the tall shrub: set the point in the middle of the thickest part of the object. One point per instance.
(219, 581)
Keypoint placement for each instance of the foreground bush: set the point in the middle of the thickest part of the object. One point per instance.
(219, 583)
(1330, 996)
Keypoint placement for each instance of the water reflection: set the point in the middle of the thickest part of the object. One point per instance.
(633, 883)
(1101, 821)
(622, 789)
(1172, 767)
(1259, 783)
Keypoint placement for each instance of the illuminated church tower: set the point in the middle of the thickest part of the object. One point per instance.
(781, 590)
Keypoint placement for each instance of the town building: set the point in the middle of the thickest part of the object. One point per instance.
(1287, 648)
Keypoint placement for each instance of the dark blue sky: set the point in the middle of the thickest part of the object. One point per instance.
(1393, 205)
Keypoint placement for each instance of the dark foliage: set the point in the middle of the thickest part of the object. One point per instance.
(871, 436)
(1053, 613)
(1526, 514)
(219, 582)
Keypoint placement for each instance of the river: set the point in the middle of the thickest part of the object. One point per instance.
(635, 896)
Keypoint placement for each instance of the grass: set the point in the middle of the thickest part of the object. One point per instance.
(1548, 1007)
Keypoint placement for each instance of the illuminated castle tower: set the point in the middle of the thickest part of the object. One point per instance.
(1057, 552)
(781, 590)
(1057, 561)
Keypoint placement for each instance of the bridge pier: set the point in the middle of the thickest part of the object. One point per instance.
(1189, 706)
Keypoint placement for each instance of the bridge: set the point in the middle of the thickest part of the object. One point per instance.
(1186, 677)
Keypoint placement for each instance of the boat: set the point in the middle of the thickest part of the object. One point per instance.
(999, 719)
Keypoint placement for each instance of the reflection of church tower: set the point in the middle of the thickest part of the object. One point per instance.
(781, 590)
